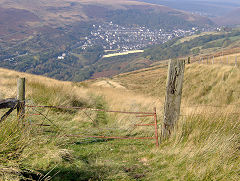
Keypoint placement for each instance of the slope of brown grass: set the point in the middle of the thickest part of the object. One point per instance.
(204, 146)
(203, 84)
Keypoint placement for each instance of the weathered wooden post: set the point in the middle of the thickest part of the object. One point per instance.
(173, 96)
(156, 126)
(21, 98)
(213, 60)
(222, 57)
(189, 60)
(235, 61)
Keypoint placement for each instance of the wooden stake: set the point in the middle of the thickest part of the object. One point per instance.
(173, 96)
(21, 97)
(156, 126)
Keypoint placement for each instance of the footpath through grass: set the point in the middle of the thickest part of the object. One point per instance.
(106, 160)
(204, 146)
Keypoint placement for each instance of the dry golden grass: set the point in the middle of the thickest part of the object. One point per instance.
(225, 59)
(203, 84)
(115, 96)
(204, 145)
(45, 91)
(142, 90)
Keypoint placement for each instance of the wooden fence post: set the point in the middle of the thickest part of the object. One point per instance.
(156, 126)
(235, 61)
(173, 96)
(21, 98)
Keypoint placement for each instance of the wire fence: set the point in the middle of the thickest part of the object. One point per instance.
(232, 60)
(135, 126)
(93, 123)
(105, 124)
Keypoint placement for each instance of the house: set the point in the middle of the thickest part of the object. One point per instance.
(60, 58)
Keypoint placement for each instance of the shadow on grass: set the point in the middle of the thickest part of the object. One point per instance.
(103, 172)
(98, 159)
(86, 142)
(73, 173)
(118, 143)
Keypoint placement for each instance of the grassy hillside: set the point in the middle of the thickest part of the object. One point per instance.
(204, 84)
(202, 44)
(204, 146)
(81, 65)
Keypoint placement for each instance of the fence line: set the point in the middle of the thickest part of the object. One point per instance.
(92, 109)
(171, 108)
(202, 105)
(211, 60)
(211, 113)
(138, 114)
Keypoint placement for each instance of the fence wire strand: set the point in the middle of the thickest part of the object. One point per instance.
(98, 129)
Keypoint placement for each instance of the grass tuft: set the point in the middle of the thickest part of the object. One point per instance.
(204, 146)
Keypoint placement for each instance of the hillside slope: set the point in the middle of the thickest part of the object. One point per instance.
(34, 35)
(231, 18)
(39, 56)
(211, 8)
(21, 19)
(64, 12)
(30, 17)
(205, 145)
(204, 84)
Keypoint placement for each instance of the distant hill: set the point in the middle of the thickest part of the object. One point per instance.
(14, 22)
(33, 34)
(210, 8)
(58, 13)
(232, 18)
(85, 64)
(195, 45)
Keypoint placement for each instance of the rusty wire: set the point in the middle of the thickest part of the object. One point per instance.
(92, 109)
(206, 105)
(128, 131)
